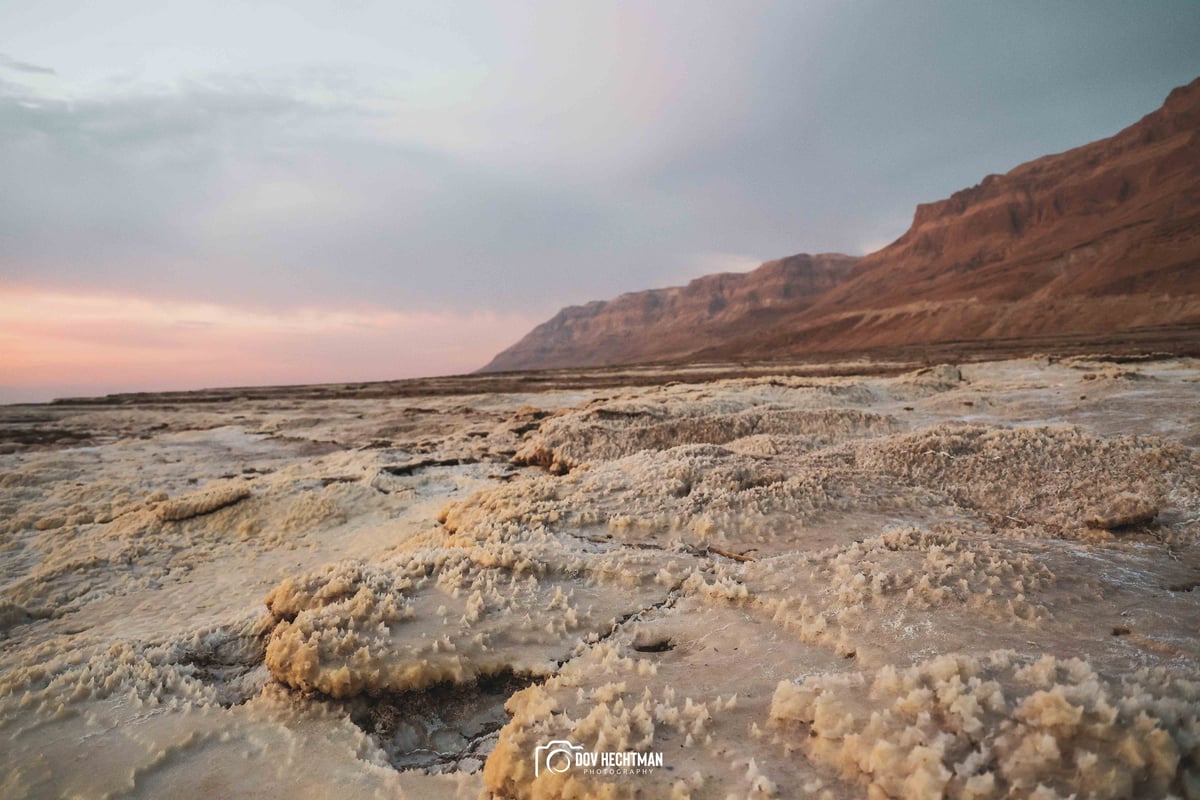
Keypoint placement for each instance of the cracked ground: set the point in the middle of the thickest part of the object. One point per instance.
(973, 581)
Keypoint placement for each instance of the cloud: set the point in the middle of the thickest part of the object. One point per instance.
(483, 158)
(202, 187)
(7, 62)
(100, 342)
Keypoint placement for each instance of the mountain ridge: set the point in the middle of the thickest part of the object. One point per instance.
(1100, 238)
(673, 321)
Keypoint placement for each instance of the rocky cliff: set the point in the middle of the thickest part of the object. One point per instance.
(1100, 239)
(665, 324)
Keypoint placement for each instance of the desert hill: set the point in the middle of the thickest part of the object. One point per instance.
(666, 324)
(1100, 239)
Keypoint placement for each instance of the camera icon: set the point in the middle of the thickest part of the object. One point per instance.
(556, 756)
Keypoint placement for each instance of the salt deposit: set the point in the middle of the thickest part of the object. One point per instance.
(972, 582)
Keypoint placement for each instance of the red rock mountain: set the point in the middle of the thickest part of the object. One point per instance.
(1096, 240)
(667, 324)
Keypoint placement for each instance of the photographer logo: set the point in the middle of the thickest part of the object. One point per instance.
(560, 755)
(556, 756)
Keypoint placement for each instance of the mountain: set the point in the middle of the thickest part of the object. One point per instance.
(1101, 239)
(667, 324)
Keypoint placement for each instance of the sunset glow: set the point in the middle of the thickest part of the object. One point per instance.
(57, 343)
(206, 195)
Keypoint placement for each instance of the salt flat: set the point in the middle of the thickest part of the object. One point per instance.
(975, 580)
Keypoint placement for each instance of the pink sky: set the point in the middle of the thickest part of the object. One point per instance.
(59, 343)
(386, 190)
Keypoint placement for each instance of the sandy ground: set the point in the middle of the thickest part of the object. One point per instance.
(975, 582)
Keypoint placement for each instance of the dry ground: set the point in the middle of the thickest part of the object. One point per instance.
(973, 581)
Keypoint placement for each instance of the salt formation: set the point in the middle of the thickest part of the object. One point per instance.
(606, 430)
(449, 615)
(991, 726)
(194, 505)
(960, 581)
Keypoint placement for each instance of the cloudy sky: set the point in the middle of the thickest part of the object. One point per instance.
(198, 194)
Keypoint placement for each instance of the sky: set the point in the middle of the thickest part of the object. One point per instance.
(198, 194)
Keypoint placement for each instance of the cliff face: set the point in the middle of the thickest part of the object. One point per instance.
(665, 324)
(1101, 239)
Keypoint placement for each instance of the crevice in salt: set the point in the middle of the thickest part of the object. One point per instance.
(233, 668)
(446, 728)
